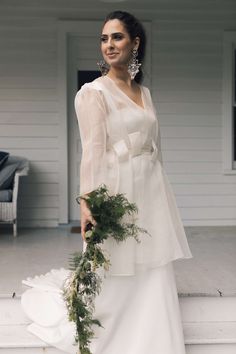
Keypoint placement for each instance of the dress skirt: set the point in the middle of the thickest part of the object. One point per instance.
(140, 313)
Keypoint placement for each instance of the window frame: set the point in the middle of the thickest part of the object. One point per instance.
(229, 46)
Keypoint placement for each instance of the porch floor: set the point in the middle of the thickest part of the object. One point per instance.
(211, 271)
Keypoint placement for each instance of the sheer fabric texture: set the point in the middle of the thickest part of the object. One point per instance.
(90, 105)
(121, 146)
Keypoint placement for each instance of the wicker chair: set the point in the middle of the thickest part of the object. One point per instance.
(8, 210)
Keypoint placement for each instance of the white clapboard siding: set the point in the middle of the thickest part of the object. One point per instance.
(30, 130)
(44, 213)
(28, 105)
(214, 213)
(186, 107)
(40, 189)
(36, 154)
(192, 168)
(191, 144)
(28, 94)
(204, 190)
(192, 156)
(25, 142)
(206, 201)
(44, 177)
(198, 84)
(202, 178)
(186, 78)
(42, 201)
(29, 114)
(44, 167)
(28, 69)
(187, 90)
(26, 118)
(32, 82)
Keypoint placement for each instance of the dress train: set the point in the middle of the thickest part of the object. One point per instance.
(140, 314)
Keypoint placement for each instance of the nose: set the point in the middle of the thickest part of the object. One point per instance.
(110, 42)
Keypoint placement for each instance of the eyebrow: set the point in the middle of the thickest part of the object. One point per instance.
(104, 34)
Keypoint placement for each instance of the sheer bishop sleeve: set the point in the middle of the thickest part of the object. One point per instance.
(91, 115)
(157, 129)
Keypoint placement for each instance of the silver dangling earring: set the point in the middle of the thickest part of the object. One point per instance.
(103, 67)
(133, 65)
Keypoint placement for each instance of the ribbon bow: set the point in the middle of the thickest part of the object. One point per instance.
(124, 151)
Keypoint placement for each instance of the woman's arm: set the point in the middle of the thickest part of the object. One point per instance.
(91, 114)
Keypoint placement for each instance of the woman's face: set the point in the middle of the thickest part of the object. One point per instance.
(116, 44)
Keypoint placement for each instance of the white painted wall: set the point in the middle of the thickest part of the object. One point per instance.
(29, 112)
(187, 50)
(187, 66)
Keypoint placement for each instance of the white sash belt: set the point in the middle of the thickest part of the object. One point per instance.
(136, 147)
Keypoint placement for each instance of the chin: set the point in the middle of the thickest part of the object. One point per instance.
(117, 63)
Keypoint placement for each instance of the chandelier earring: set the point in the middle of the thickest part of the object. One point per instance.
(133, 65)
(103, 67)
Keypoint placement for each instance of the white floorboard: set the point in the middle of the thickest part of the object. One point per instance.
(211, 271)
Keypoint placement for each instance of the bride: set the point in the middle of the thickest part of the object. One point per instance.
(138, 304)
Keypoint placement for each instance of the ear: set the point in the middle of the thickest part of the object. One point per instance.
(136, 42)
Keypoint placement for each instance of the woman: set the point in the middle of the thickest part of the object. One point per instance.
(138, 304)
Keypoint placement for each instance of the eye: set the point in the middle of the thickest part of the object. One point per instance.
(118, 36)
(103, 39)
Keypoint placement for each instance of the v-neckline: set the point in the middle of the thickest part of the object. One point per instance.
(130, 99)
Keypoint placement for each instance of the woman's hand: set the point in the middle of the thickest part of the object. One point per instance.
(86, 217)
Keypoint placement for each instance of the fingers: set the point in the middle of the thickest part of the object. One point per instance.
(84, 224)
(82, 232)
(86, 218)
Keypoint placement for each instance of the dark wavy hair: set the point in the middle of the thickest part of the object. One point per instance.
(135, 29)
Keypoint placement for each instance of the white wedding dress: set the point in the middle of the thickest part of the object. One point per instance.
(138, 304)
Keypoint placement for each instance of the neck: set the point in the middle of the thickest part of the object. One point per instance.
(120, 75)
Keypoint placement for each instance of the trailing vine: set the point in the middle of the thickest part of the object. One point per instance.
(114, 216)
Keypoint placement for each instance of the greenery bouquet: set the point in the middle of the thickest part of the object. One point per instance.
(114, 216)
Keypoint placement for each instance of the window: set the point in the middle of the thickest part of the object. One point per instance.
(229, 103)
(84, 76)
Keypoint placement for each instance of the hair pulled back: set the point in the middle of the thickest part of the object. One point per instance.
(135, 29)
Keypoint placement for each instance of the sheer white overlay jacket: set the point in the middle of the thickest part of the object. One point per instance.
(114, 130)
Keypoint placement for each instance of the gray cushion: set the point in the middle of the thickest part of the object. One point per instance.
(3, 158)
(7, 174)
(6, 195)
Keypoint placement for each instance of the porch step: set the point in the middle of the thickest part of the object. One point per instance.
(210, 338)
(208, 308)
(203, 339)
(31, 351)
(210, 333)
(16, 339)
(209, 325)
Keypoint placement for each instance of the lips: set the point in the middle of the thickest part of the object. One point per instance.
(111, 54)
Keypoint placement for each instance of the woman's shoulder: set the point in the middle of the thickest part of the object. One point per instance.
(96, 84)
(90, 94)
(92, 88)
